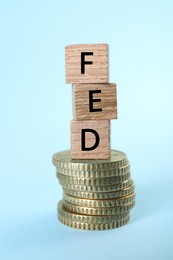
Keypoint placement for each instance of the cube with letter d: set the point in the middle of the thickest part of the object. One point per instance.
(90, 139)
(86, 63)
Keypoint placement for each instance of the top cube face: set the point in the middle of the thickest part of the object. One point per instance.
(86, 63)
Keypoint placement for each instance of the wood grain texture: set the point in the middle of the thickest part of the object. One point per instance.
(86, 101)
(97, 72)
(102, 151)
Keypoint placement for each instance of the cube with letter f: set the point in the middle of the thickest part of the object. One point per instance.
(86, 63)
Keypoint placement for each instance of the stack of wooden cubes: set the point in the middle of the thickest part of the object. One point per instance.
(94, 100)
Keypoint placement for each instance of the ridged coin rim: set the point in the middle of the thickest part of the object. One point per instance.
(101, 195)
(95, 174)
(99, 203)
(108, 188)
(63, 160)
(65, 213)
(92, 181)
(98, 211)
(93, 227)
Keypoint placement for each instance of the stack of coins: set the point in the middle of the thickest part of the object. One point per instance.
(97, 194)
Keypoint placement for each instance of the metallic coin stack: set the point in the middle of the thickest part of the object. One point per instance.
(97, 194)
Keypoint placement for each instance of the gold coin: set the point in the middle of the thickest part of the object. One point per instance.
(100, 203)
(95, 174)
(98, 211)
(108, 188)
(63, 160)
(93, 226)
(65, 213)
(101, 195)
(93, 181)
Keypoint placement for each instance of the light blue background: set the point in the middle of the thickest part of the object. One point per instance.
(35, 113)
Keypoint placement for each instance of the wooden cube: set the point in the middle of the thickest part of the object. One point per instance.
(90, 139)
(94, 101)
(86, 63)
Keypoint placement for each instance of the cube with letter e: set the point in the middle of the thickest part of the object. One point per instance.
(94, 101)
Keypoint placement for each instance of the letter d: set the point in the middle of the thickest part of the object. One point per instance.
(97, 139)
